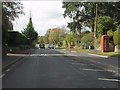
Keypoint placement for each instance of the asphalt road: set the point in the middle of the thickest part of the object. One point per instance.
(49, 68)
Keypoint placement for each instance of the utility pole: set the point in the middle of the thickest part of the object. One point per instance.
(95, 31)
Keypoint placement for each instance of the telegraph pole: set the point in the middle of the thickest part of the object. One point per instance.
(95, 31)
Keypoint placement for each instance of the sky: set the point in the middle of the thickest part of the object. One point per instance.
(45, 15)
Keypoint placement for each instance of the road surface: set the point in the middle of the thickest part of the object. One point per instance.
(49, 68)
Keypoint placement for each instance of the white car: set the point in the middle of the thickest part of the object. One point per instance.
(50, 46)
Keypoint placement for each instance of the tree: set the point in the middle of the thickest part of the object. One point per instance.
(70, 40)
(40, 39)
(46, 37)
(55, 36)
(29, 31)
(110, 33)
(85, 41)
(72, 12)
(10, 11)
(87, 12)
(104, 24)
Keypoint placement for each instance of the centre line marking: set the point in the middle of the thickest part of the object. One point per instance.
(8, 70)
(79, 63)
(92, 70)
(105, 79)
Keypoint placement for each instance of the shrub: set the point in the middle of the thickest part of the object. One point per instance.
(116, 36)
(87, 40)
(16, 39)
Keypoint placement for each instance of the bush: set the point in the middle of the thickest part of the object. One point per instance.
(23, 47)
(87, 40)
(16, 39)
(98, 42)
(116, 36)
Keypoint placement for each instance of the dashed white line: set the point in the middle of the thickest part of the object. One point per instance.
(105, 79)
(8, 70)
(2, 75)
(79, 63)
(92, 70)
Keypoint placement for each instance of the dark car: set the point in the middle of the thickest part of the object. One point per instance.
(41, 45)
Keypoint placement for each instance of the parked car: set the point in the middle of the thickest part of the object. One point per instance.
(51, 46)
(41, 45)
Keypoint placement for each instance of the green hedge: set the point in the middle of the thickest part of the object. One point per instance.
(116, 36)
(16, 39)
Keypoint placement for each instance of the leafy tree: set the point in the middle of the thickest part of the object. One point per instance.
(70, 40)
(10, 11)
(29, 31)
(110, 9)
(55, 36)
(87, 40)
(72, 12)
(88, 13)
(110, 33)
(40, 39)
(46, 37)
(104, 23)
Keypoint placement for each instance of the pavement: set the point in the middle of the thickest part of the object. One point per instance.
(9, 60)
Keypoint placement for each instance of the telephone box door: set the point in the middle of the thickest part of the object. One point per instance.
(105, 44)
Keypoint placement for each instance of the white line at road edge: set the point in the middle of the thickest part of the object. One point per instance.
(8, 70)
(98, 55)
(41, 55)
(105, 79)
(93, 70)
(2, 75)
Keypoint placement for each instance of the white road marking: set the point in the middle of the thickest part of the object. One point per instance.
(98, 55)
(8, 54)
(79, 63)
(93, 70)
(105, 79)
(2, 75)
(8, 70)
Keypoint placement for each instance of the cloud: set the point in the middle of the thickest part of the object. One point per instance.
(45, 15)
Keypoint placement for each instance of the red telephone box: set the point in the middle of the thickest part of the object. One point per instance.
(105, 44)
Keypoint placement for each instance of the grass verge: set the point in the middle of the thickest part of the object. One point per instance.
(110, 54)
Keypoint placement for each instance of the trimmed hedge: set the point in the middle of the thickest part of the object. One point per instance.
(16, 39)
